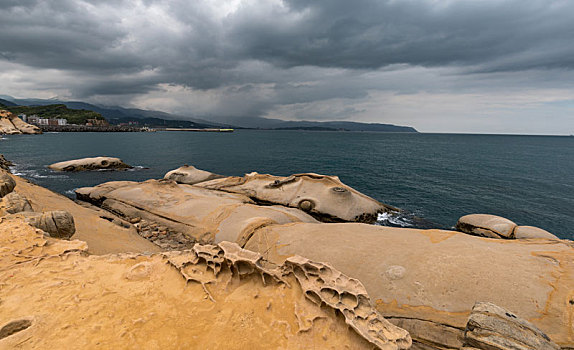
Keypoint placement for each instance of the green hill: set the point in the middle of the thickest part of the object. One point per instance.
(74, 116)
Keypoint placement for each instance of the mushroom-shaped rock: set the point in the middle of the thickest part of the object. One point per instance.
(494, 328)
(14, 203)
(525, 232)
(325, 197)
(96, 163)
(58, 223)
(7, 184)
(486, 225)
(190, 175)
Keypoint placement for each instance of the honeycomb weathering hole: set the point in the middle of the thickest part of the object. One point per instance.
(349, 300)
(14, 327)
(330, 295)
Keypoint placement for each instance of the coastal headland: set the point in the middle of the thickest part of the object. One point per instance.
(205, 260)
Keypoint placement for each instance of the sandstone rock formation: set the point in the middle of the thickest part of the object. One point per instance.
(492, 327)
(11, 124)
(6, 126)
(200, 215)
(190, 175)
(319, 195)
(525, 232)
(99, 228)
(96, 163)
(427, 281)
(55, 296)
(493, 226)
(486, 225)
(24, 127)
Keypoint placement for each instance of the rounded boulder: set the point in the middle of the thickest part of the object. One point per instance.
(486, 225)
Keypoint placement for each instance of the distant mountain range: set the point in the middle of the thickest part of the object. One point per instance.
(118, 115)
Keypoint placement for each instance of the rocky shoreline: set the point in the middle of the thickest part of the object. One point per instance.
(491, 285)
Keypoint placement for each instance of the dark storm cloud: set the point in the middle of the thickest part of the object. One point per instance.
(279, 53)
(373, 34)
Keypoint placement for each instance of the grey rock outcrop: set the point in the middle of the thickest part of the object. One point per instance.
(7, 184)
(5, 164)
(57, 223)
(14, 203)
(491, 327)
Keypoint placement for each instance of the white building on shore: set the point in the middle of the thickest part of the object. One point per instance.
(34, 119)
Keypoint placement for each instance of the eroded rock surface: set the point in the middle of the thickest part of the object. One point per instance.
(96, 163)
(7, 184)
(14, 203)
(11, 124)
(494, 328)
(190, 175)
(24, 127)
(200, 215)
(104, 231)
(527, 232)
(486, 225)
(57, 223)
(427, 281)
(5, 164)
(493, 226)
(207, 297)
(320, 195)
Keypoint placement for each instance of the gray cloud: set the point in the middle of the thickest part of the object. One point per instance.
(282, 58)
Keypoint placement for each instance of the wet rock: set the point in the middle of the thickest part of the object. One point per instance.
(96, 163)
(486, 225)
(491, 327)
(7, 184)
(526, 232)
(57, 223)
(190, 175)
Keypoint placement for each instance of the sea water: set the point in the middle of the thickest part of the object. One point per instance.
(436, 177)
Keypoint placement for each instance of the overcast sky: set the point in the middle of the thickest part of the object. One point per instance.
(480, 66)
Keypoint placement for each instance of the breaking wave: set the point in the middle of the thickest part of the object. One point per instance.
(394, 219)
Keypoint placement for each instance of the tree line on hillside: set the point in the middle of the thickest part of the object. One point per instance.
(73, 116)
